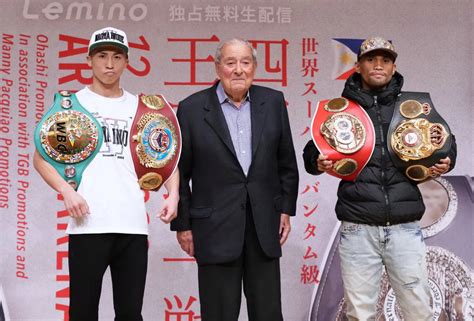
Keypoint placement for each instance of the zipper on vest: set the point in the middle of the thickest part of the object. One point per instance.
(382, 167)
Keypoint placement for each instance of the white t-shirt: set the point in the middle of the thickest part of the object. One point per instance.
(109, 184)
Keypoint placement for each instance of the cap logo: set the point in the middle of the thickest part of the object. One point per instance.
(109, 35)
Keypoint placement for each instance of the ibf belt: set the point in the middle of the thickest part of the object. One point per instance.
(418, 136)
(155, 141)
(342, 130)
(68, 137)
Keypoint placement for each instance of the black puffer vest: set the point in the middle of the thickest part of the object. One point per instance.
(381, 195)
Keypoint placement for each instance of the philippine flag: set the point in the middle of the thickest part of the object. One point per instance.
(345, 53)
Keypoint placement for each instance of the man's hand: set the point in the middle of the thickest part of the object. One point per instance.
(441, 167)
(168, 211)
(323, 163)
(75, 204)
(285, 228)
(185, 240)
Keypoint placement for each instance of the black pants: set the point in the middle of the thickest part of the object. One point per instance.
(89, 257)
(220, 285)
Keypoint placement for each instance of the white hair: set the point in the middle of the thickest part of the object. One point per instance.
(218, 56)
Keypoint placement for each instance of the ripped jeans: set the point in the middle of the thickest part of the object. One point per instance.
(365, 249)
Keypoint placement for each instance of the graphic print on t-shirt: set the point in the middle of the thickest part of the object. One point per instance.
(116, 133)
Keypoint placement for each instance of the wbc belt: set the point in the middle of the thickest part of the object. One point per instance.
(342, 130)
(418, 136)
(68, 137)
(155, 141)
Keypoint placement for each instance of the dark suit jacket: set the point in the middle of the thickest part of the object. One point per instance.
(214, 207)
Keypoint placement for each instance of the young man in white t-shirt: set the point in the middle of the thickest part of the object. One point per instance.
(108, 225)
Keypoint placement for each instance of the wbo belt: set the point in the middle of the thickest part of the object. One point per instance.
(155, 141)
(68, 137)
(342, 130)
(418, 136)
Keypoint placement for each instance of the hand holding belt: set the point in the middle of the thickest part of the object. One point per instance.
(68, 137)
(155, 141)
(342, 130)
(418, 136)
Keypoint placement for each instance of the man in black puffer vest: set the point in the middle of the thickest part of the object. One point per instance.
(381, 209)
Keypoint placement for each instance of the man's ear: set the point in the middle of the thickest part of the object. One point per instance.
(89, 61)
(394, 69)
(357, 67)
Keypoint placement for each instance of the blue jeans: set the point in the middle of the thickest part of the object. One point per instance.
(365, 249)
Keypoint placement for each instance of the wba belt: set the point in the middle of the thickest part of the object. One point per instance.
(155, 141)
(342, 130)
(68, 137)
(418, 136)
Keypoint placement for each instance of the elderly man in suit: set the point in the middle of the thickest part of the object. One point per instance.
(238, 152)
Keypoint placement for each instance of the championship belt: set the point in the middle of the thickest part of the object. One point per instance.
(68, 137)
(155, 141)
(342, 130)
(418, 136)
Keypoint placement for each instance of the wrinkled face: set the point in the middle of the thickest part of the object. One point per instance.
(376, 69)
(236, 70)
(107, 66)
